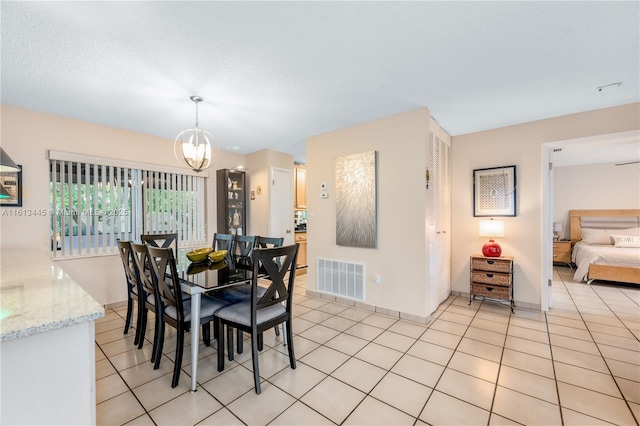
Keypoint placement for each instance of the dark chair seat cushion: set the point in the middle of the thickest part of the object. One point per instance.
(239, 294)
(208, 305)
(240, 313)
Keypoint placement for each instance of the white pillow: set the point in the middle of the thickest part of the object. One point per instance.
(596, 236)
(630, 232)
(626, 241)
(604, 236)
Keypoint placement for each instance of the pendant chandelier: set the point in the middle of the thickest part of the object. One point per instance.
(196, 147)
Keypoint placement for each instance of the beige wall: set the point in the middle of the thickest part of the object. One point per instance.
(27, 135)
(521, 145)
(399, 258)
(259, 166)
(594, 186)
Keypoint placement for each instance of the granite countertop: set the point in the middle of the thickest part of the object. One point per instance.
(38, 296)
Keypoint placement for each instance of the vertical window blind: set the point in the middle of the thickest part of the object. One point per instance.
(95, 205)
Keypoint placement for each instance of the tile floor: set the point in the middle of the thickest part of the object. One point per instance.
(578, 364)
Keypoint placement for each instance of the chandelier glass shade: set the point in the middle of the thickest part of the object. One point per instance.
(196, 147)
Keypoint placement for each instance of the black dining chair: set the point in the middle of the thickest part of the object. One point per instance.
(260, 313)
(147, 296)
(269, 242)
(224, 242)
(133, 291)
(244, 248)
(166, 240)
(176, 311)
(244, 245)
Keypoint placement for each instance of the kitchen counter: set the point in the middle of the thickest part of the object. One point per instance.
(37, 296)
(48, 343)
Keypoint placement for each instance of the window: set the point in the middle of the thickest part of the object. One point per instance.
(94, 205)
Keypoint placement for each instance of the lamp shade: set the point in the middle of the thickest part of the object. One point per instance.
(557, 227)
(491, 228)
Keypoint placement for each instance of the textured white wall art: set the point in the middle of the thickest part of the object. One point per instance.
(356, 200)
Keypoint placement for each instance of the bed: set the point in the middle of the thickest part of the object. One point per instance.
(594, 252)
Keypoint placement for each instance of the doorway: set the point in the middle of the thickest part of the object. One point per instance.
(608, 148)
(281, 204)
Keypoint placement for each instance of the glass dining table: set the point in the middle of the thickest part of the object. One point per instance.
(203, 277)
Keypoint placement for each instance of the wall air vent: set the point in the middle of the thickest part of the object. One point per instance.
(340, 278)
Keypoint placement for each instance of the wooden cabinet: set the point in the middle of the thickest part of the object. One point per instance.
(231, 202)
(301, 238)
(492, 277)
(300, 184)
(562, 252)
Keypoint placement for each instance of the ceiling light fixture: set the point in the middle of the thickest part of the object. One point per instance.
(196, 147)
(6, 163)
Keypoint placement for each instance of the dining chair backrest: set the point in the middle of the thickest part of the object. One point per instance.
(244, 245)
(224, 242)
(141, 260)
(165, 279)
(277, 262)
(161, 240)
(130, 270)
(269, 242)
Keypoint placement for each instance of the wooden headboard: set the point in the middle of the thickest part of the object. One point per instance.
(603, 219)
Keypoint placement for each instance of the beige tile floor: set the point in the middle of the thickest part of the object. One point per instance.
(578, 364)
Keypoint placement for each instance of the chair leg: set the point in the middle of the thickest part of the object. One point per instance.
(136, 339)
(292, 356)
(178, 361)
(206, 333)
(240, 341)
(260, 342)
(156, 338)
(254, 356)
(142, 325)
(220, 328)
(230, 342)
(284, 336)
(159, 344)
(127, 322)
(277, 330)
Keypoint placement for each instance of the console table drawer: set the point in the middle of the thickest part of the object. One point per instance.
(493, 265)
(495, 292)
(491, 278)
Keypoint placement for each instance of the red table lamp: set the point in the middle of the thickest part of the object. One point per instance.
(491, 228)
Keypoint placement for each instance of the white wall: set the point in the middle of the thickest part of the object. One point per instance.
(594, 186)
(399, 258)
(520, 145)
(27, 135)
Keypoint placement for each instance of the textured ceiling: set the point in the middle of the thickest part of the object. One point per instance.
(275, 73)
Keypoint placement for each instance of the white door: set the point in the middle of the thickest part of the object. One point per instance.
(281, 204)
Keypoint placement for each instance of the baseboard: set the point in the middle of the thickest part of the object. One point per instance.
(369, 307)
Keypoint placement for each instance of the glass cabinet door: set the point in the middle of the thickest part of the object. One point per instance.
(231, 200)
